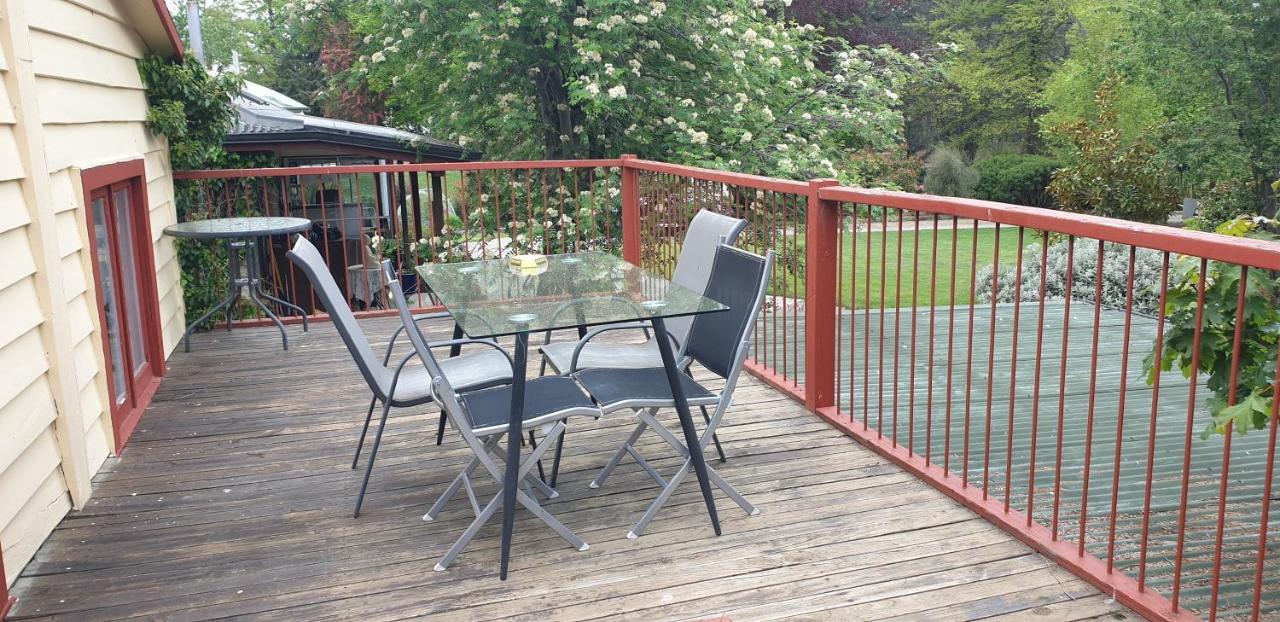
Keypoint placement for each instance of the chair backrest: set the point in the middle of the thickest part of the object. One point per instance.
(739, 280)
(707, 231)
(306, 257)
(443, 392)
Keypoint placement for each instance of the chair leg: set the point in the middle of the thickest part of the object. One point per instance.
(661, 500)
(457, 483)
(440, 428)
(533, 444)
(523, 472)
(555, 462)
(617, 455)
(364, 431)
(373, 455)
(715, 439)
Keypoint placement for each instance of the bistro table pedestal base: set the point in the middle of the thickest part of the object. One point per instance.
(252, 280)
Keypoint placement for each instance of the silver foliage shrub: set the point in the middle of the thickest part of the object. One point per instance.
(1115, 274)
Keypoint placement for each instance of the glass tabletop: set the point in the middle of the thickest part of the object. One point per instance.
(238, 227)
(492, 298)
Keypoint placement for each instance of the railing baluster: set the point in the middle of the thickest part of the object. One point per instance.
(1013, 364)
(991, 363)
(951, 335)
(884, 263)
(1186, 446)
(968, 364)
(1124, 385)
(1157, 354)
(1035, 390)
(1225, 477)
(897, 323)
(1062, 385)
(933, 315)
(911, 379)
(1093, 394)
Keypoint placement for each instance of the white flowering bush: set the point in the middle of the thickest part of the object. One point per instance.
(730, 84)
(1115, 276)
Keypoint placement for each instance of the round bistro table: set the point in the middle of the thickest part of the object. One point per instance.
(241, 236)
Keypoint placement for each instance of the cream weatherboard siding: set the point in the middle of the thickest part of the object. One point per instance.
(70, 99)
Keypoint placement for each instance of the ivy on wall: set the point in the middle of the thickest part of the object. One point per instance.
(193, 109)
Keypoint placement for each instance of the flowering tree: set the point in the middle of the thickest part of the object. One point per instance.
(728, 84)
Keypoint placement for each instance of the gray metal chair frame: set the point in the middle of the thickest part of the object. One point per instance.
(646, 406)
(382, 379)
(483, 438)
(706, 232)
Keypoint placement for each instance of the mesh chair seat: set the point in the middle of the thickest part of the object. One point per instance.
(475, 370)
(620, 355)
(640, 388)
(555, 397)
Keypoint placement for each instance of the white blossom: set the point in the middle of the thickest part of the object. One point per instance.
(618, 92)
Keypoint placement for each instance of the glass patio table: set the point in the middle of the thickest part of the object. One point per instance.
(492, 299)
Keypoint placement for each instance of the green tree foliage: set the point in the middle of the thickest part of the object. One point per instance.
(1204, 70)
(1007, 51)
(1110, 176)
(947, 173)
(727, 84)
(1260, 330)
(1016, 178)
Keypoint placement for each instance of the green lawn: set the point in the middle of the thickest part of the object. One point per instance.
(964, 258)
(787, 283)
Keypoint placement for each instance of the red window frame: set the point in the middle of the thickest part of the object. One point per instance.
(103, 182)
(6, 601)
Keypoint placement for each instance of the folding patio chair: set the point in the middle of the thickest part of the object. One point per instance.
(719, 342)
(401, 386)
(482, 418)
(706, 231)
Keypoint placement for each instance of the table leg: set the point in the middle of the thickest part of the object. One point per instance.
(254, 281)
(262, 293)
(233, 294)
(509, 481)
(686, 420)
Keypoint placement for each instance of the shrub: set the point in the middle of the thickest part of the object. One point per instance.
(1015, 178)
(946, 173)
(1115, 276)
(1223, 202)
(1110, 176)
(895, 168)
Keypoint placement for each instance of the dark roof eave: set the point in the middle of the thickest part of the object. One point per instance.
(313, 135)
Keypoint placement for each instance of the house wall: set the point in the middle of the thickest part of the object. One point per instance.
(70, 99)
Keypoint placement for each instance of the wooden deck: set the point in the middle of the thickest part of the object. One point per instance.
(234, 499)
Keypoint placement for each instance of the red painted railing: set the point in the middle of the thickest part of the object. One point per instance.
(994, 351)
(422, 212)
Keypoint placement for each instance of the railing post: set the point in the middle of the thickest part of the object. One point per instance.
(821, 275)
(630, 212)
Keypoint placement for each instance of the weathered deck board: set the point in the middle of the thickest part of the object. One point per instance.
(234, 499)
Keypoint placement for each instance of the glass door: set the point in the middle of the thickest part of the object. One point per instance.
(116, 260)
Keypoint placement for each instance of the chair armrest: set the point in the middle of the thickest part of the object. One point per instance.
(577, 351)
(484, 342)
(421, 317)
(434, 315)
